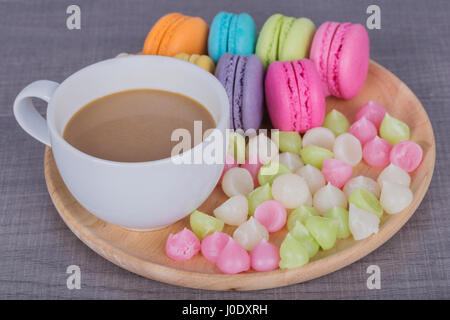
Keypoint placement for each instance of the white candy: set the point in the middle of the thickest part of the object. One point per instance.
(328, 197)
(234, 211)
(395, 174)
(347, 148)
(250, 233)
(362, 223)
(319, 136)
(291, 160)
(291, 190)
(313, 177)
(395, 197)
(263, 148)
(237, 181)
(362, 182)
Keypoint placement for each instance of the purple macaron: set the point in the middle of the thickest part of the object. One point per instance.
(243, 79)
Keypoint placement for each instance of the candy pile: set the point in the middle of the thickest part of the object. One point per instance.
(307, 185)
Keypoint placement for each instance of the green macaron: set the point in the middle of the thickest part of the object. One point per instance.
(284, 39)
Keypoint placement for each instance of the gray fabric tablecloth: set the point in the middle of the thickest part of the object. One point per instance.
(35, 245)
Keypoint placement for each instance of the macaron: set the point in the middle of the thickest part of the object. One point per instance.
(175, 33)
(341, 54)
(294, 95)
(243, 79)
(284, 39)
(235, 33)
(203, 61)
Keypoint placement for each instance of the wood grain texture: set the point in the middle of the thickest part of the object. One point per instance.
(143, 252)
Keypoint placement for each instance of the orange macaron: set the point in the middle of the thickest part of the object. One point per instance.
(175, 33)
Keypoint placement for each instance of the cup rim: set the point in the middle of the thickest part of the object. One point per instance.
(54, 134)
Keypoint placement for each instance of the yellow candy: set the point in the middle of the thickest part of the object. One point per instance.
(202, 61)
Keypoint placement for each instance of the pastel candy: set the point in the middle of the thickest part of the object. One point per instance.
(363, 129)
(313, 177)
(328, 197)
(290, 190)
(258, 196)
(265, 256)
(347, 148)
(234, 211)
(236, 146)
(364, 183)
(393, 129)
(268, 172)
(376, 152)
(291, 160)
(339, 217)
(252, 166)
(288, 141)
(230, 162)
(373, 112)
(394, 174)
(250, 233)
(337, 172)
(407, 155)
(272, 215)
(233, 258)
(237, 181)
(336, 122)
(203, 224)
(314, 155)
(301, 234)
(362, 223)
(322, 230)
(300, 214)
(319, 136)
(292, 253)
(213, 245)
(395, 197)
(182, 246)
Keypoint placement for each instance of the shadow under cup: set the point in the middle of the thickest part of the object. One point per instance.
(139, 195)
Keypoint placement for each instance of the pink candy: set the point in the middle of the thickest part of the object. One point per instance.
(213, 245)
(376, 152)
(337, 172)
(271, 214)
(182, 246)
(363, 129)
(373, 112)
(265, 256)
(230, 162)
(406, 155)
(233, 258)
(253, 166)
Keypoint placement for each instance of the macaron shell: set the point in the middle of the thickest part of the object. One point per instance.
(267, 44)
(237, 102)
(253, 94)
(158, 31)
(297, 43)
(348, 62)
(218, 35)
(320, 50)
(225, 73)
(284, 32)
(189, 36)
(282, 96)
(242, 35)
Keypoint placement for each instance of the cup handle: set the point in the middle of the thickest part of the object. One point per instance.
(25, 112)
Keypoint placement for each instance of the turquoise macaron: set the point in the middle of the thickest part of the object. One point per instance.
(234, 33)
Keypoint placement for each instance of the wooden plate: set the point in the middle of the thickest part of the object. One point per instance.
(143, 252)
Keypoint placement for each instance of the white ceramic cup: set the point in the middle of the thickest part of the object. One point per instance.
(141, 195)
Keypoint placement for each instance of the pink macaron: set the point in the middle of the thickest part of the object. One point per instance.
(341, 53)
(294, 95)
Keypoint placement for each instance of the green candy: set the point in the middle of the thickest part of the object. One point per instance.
(315, 155)
(301, 234)
(236, 146)
(393, 130)
(268, 172)
(365, 200)
(339, 217)
(292, 253)
(300, 214)
(288, 141)
(203, 224)
(258, 196)
(323, 230)
(336, 122)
